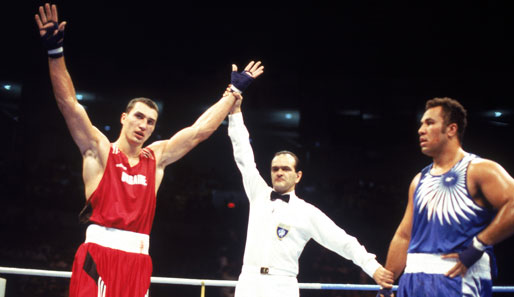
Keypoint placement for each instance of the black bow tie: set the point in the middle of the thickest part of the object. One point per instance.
(274, 196)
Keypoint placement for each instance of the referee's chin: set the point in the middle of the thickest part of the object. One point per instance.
(282, 190)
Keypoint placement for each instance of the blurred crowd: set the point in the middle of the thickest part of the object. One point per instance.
(199, 229)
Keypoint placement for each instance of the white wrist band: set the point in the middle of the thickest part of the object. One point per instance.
(55, 51)
(235, 89)
(479, 245)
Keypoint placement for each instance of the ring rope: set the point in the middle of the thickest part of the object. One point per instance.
(219, 283)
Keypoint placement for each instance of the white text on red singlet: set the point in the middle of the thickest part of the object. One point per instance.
(133, 179)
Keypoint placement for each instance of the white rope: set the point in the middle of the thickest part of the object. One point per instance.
(38, 272)
(216, 283)
(193, 282)
(185, 281)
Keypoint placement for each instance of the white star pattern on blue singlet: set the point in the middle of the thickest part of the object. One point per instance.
(445, 196)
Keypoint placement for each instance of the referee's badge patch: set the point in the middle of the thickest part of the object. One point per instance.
(282, 231)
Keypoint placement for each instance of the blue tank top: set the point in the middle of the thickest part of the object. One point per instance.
(446, 218)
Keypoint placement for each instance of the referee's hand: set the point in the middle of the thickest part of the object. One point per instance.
(384, 278)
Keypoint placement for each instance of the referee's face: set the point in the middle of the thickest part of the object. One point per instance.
(283, 175)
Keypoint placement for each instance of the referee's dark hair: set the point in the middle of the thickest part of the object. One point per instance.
(296, 160)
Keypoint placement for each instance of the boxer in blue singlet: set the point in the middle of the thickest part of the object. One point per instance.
(459, 207)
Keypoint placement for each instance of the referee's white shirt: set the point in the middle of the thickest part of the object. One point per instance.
(278, 231)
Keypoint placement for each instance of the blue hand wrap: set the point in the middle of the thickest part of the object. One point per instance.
(385, 292)
(240, 80)
(472, 253)
(53, 41)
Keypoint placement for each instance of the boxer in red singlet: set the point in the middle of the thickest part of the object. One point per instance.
(122, 178)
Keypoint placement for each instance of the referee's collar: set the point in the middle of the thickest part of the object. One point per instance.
(291, 195)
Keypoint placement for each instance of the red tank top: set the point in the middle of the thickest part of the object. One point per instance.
(125, 197)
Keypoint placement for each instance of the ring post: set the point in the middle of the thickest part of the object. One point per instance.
(202, 290)
(2, 287)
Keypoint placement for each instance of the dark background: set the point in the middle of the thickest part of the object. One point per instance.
(353, 77)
